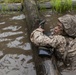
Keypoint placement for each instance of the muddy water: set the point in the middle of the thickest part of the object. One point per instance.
(15, 49)
(51, 21)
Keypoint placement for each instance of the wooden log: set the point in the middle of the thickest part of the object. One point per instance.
(10, 6)
(44, 66)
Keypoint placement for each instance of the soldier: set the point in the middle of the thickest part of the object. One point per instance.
(62, 38)
(68, 24)
(56, 40)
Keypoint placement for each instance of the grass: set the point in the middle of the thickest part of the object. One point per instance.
(62, 5)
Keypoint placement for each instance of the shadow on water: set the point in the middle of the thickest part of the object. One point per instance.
(15, 48)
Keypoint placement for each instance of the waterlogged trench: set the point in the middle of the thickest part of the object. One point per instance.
(15, 49)
(16, 56)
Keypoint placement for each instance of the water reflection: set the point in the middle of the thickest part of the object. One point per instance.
(17, 44)
(4, 39)
(17, 65)
(72, 72)
(2, 22)
(6, 34)
(26, 46)
(15, 49)
(19, 17)
(13, 28)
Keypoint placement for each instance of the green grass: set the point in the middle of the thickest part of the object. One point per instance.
(62, 5)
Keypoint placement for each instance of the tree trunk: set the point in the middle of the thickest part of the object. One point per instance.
(31, 13)
(44, 66)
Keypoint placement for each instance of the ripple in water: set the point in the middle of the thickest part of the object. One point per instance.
(6, 34)
(17, 44)
(20, 17)
(16, 64)
(1, 23)
(13, 28)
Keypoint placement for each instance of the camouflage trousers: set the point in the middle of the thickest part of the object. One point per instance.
(56, 41)
(72, 48)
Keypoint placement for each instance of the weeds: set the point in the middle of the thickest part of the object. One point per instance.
(59, 5)
(62, 5)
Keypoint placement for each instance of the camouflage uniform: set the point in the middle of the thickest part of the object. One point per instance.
(56, 41)
(72, 48)
(69, 25)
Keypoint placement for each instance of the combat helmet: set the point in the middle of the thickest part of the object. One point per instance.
(69, 24)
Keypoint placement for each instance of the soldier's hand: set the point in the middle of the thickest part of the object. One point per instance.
(40, 29)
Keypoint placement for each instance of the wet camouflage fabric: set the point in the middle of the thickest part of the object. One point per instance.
(69, 24)
(72, 48)
(71, 54)
(56, 41)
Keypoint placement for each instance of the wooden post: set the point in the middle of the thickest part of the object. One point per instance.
(32, 14)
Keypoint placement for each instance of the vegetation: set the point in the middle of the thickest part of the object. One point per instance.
(62, 5)
(58, 5)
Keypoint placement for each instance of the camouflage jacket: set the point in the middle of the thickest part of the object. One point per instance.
(40, 39)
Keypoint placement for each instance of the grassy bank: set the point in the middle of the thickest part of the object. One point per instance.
(59, 5)
(62, 5)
